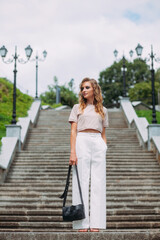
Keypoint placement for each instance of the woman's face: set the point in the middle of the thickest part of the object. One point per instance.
(87, 90)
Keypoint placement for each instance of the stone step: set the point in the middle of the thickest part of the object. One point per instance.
(54, 212)
(125, 224)
(42, 205)
(55, 218)
(56, 175)
(51, 143)
(117, 191)
(63, 227)
(61, 130)
(55, 172)
(55, 153)
(63, 167)
(16, 168)
(59, 147)
(62, 148)
(45, 202)
(113, 176)
(60, 160)
(53, 235)
(67, 128)
(62, 233)
(121, 184)
(49, 186)
(61, 142)
(58, 184)
(111, 162)
(33, 193)
(111, 182)
(111, 158)
(51, 164)
(67, 141)
(49, 199)
(65, 134)
(51, 172)
(116, 172)
(114, 156)
(108, 167)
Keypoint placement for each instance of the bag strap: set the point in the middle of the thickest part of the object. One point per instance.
(79, 185)
(64, 195)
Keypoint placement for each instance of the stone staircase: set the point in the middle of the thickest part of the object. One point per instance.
(30, 207)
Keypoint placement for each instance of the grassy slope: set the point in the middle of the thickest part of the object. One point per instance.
(6, 104)
(148, 114)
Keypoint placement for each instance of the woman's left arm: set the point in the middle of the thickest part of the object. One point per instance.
(104, 135)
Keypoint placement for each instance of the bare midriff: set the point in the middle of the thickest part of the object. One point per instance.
(90, 130)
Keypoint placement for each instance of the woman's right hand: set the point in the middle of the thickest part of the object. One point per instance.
(73, 159)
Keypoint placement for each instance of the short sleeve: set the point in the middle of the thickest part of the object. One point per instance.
(105, 121)
(73, 114)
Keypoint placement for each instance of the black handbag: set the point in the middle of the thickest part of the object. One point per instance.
(74, 212)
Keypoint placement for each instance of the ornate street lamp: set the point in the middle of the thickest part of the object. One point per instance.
(124, 69)
(139, 49)
(131, 53)
(115, 53)
(15, 57)
(37, 59)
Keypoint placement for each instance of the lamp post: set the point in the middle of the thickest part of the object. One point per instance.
(124, 69)
(15, 58)
(37, 59)
(139, 49)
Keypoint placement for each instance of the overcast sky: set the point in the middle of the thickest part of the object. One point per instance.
(79, 36)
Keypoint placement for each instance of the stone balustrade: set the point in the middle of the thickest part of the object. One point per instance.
(16, 135)
(148, 134)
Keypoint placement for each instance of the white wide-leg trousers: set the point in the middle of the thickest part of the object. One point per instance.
(91, 153)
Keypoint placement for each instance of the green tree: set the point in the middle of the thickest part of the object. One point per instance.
(67, 95)
(111, 79)
(49, 97)
(23, 103)
(143, 92)
(157, 75)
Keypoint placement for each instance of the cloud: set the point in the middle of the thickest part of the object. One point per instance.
(79, 36)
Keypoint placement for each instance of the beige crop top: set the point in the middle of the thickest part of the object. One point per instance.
(89, 119)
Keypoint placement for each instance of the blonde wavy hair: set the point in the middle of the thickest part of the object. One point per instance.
(97, 96)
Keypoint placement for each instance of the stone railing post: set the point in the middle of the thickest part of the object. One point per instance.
(153, 130)
(14, 130)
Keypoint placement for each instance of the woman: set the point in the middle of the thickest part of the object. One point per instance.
(88, 151)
